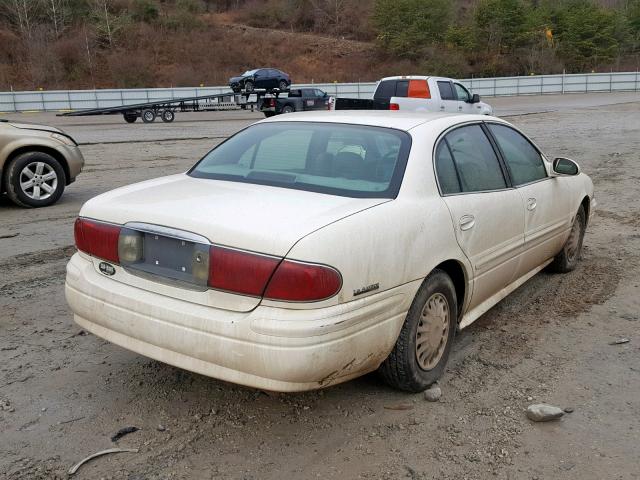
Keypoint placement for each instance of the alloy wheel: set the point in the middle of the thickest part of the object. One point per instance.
(38, 180)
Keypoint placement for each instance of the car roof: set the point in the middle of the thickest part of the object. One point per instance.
(378, 118)
(416, 77)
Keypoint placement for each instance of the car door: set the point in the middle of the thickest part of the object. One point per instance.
(545, 199)
(487, 214)
(321, 99)
(448, 99)
(464, 98)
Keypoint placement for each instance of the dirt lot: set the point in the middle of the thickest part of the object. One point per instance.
(63, 393)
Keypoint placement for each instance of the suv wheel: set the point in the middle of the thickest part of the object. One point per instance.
(248, 86)
(35, 179)
(283, 86)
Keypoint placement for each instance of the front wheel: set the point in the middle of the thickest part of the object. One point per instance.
(422, 349)
(248, 86)
(35, 179)
(283, 86)
(568, 257)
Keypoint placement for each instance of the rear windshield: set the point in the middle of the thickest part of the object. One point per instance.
(391, 88)
(332, 158)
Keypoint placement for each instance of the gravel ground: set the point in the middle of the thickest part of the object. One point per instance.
(63, 393)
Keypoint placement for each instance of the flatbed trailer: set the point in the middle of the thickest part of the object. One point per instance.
(167, 108)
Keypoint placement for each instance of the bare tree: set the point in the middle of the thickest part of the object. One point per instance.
(57, 10)
(21, 13)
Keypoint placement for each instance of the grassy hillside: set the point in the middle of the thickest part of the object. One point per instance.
(134, 43)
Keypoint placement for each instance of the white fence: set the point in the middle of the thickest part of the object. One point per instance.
(488, 87)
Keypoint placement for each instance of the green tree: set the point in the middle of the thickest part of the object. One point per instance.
(501, 25)
(407, 27)
(587, 35)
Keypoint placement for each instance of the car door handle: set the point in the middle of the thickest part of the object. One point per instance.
(467, 222)
(532, 203)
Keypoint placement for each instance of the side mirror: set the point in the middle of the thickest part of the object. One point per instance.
(565, 166)
(475, 98)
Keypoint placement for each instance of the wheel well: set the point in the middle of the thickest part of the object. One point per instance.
(36, 148)
(586, 205)
(458, 277)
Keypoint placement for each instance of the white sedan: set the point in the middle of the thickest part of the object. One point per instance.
(312, 248)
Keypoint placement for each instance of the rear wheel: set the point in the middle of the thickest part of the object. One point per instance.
(288, 109)
(35, 179)
(569, 256)
(421, 352)
(248, 86)
(130, 117)
(168, 116)
(283, 85)
(148, 116)
(269, 114)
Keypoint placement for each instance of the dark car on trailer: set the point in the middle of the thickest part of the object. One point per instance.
(269, 79)
(297, 100)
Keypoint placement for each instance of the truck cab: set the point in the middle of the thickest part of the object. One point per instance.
(433, 94)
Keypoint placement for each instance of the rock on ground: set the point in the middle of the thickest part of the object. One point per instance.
(543, 412)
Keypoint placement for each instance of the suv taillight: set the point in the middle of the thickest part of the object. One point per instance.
(97, 239)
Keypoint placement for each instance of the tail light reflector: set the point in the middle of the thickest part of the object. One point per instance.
(303, 282)
(240, 272)
(97, 239)
(394, 106)
(419, 89)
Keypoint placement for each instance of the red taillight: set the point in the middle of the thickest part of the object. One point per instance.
(240, 272)
(394, 106)
(303, 282)
(97, 239)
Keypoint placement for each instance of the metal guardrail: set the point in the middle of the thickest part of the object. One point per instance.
(58, 100)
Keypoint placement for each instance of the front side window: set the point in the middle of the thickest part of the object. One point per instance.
(475, 160)
(524, 161)
(463, 93)
(446, 92)
(338, 159)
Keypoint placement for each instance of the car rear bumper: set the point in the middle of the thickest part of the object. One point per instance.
(269, 348)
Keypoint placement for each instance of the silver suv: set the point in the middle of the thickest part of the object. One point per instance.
(36, 163)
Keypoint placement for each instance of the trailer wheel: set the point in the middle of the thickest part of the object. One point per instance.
(168, 116)
(130, 117)
(148, 116)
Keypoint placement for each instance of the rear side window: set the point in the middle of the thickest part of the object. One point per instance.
(446, 92)
(475, 160)
(446, 170)
(524, 161)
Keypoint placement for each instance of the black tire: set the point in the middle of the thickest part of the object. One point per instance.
(148, 116)
(16, 177)
(283, 86)
(130, 117)
(168, 116)
(248, 86)
(568, 258)
(269, 114)
(288, 109)
(402, 369)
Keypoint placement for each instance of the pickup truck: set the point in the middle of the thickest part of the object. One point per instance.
(418, 93)
(298, 100)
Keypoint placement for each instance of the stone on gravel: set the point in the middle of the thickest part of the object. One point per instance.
(568, 409)
(433, 393)
(543, 413)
